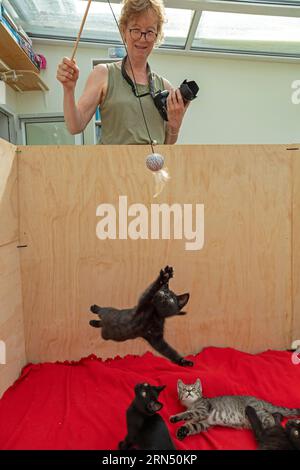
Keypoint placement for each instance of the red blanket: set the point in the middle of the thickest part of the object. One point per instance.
(82, 405)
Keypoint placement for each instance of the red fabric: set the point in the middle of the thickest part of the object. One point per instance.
(82, 405)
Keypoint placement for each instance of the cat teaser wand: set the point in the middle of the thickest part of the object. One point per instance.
(154, 161)
(81, 28)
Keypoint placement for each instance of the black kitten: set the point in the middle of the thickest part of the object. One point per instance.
(146, 320)
(277, 437)
(145, 428)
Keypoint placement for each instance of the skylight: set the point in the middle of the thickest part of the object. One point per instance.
(177, 26)
(242, 32)
(265, 27)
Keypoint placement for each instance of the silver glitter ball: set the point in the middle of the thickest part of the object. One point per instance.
(155, 161)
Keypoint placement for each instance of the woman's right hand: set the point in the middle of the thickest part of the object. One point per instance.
(67, 73)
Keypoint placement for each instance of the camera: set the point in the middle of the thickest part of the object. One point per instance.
(188, 92)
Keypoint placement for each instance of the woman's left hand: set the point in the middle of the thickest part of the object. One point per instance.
(175, 109)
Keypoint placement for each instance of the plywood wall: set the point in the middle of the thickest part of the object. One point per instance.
(296, 245)
(11, 315)
(240, 282)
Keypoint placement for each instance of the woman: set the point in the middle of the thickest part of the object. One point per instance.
(122, 122)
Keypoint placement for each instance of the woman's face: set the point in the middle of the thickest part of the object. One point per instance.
(140, 47)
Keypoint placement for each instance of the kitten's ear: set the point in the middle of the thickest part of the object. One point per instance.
(160, 388)
(180, 386)
(183, 300)
(199, 384)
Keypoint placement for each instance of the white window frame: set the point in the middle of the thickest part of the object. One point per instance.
(12, 118)
(42, 118)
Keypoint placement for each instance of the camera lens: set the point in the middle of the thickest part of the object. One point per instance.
(189, 90)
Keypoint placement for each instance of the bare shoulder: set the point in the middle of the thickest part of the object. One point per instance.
(100, 72)
(101, 68)
(98, 80)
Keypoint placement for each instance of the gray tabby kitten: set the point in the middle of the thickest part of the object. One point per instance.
(221, 411)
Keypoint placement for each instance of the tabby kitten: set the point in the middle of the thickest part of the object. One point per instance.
(221, 411)
(276, 437)
(147, 319)
(146, 429)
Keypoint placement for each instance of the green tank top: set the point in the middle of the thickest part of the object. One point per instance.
(121, 116)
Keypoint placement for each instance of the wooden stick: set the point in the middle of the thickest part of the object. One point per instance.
(81, 28)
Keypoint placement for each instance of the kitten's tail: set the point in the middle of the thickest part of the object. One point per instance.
(255, 422)
(282, 410)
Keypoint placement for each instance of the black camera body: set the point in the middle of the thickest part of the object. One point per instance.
(188, 92)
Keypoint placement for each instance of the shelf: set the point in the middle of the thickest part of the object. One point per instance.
(16, 69)
(12, 54)
(24, 80)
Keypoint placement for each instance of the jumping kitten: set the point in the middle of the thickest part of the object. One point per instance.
(146, 320)
(221, 411)
(276, 437)
(145, 428)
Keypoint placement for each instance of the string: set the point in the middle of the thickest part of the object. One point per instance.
(134, 80)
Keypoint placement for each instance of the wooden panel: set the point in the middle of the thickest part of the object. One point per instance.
(240, 282)
(296, 245)
(8, 193)
(11, 316)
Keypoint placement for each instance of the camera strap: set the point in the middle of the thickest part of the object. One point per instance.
(133, 86)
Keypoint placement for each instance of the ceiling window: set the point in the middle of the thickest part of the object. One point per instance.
(264, 27)
(248, 33)
(177, 26)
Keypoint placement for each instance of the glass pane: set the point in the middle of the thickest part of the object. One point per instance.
(63, 18)
(48, 133)
(4, 127)
(272, 2)
(177, 26)
(243, 32)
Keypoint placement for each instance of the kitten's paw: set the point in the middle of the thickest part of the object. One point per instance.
(169, 272)
(182, 432)
(185, 363)
(95, 308)
(166, 274)
(174, 419)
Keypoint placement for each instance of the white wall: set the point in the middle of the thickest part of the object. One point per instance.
(240, 101)
(10, 101)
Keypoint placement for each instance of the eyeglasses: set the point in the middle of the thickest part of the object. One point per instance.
(136, 34)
